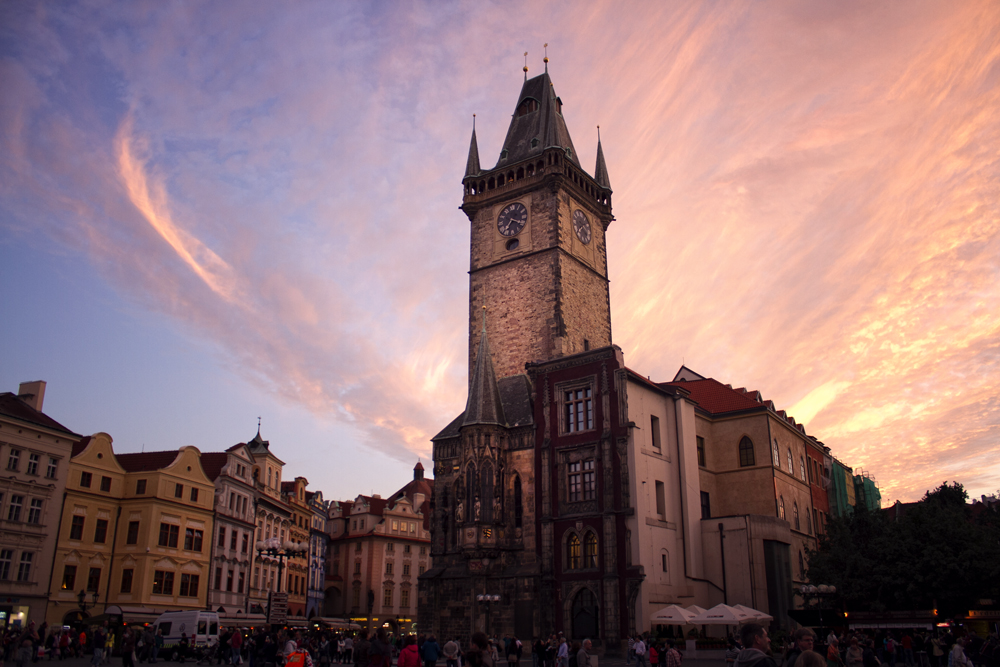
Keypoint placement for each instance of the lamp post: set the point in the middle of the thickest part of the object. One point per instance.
(273, 548)
(487, 599)
(82, 597)
(818, 593)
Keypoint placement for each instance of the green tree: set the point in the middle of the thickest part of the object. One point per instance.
(936, 555)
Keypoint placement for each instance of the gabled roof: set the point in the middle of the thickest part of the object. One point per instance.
(78, 447)
(213, 463)
(716, 398)
(146, 461)
(546, 124)
(13, 407)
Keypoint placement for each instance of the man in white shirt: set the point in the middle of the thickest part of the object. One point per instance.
(640, 652)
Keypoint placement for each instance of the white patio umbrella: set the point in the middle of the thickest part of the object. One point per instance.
(757, 615)
(722, 614)
(672, 615)
(695, 609)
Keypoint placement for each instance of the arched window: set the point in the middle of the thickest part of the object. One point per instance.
(590, 550)
(795, 515)
(809, 523)
(791, 470)
(746, 452)
(781, 507)
(774, 454)
(573, 552)
(802, 468)
(802, 566)
(486, 494)
(471, 492)
(518, 509)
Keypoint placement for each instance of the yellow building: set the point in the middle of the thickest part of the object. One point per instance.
(135, 531)
(294, 495)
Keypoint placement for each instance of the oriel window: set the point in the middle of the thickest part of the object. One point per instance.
(579, 410)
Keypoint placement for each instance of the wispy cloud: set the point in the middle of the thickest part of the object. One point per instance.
(805, 195)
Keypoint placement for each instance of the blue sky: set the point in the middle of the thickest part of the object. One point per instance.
(211, 212)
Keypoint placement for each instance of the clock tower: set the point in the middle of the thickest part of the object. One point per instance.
(538, 252)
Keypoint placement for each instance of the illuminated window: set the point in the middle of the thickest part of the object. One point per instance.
(590, 550)
(781, 507)
(69, 577)
(573, 553)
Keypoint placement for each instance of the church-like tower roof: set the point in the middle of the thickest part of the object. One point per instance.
(537, 124)
(601, 170)
(472, 167)
(484, 405)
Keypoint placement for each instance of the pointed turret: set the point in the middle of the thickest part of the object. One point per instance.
(472, 165)
(601, 170)
(484, 405)
(537, 124)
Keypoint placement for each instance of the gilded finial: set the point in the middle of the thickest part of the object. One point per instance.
(484, 318)
(598, 133)
(525, 65)
(546, 58)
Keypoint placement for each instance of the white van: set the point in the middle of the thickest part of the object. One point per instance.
(201, 627)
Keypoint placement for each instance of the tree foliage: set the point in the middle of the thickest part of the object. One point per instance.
(937, 554)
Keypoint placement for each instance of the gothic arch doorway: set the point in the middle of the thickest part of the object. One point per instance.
(585, 615)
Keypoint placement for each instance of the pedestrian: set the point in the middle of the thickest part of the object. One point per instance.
(562, 655)
(128, 647)
(361, 649)
(451, 653)
(673, 656)
(431, 651)
(409, 656)
(756, 645)
(833, 658)
(803, 640)
(583, 655)
(236, 646)
(640, 651)
(380, 652)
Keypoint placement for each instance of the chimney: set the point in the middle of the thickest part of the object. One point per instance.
(32, 393)
(418, 501)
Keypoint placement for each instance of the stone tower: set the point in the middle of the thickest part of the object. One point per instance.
(539, 258)
(538, 293)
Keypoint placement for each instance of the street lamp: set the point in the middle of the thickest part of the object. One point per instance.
(82, 597)
(275, 549)
(818, 593)
(487, 599)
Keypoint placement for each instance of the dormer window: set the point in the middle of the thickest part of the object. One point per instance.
(534, 142)
(503, 154)
(527, 106)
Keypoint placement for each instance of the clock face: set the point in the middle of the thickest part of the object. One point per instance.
(581, 225)
(512, 219)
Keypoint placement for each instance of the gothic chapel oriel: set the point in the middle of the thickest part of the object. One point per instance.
(538, 295)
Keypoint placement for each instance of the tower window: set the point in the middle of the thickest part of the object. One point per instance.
(746, 452)
(534, 143)
(513, 244)
(579, 410)
(526, 107)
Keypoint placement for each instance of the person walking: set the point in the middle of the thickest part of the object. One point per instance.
(432, 651)
(128, 648)
(640, 651)
(409, 656)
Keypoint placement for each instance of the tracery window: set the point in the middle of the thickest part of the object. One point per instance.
(781, 507)
(795, 516)
(791, 470)
(573, 553)
(578, 407)
(774, 454)
(590, 550)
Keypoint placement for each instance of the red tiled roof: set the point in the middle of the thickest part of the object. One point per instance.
(80, 446)
(715, 397)
(213, 463)
(14, 407)
(146, 461)
(288, 487)
(424, 486)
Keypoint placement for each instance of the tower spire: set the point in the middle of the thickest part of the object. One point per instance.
(484, 405)
(546, 58)
(525, 65)
(601, 170)
(472, 165)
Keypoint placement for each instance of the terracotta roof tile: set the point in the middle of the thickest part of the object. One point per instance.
(146, 461)
(213, 463)
(715, 397)
(13, 407)
(80, 446)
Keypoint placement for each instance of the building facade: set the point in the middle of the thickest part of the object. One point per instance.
(274, 520)
(297, 567)
(233, 538)
(135, 530)
(378, 548)
(35, 451)
(318, 546)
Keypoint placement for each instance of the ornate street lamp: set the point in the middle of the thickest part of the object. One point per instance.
(82, 598)
(275, 549)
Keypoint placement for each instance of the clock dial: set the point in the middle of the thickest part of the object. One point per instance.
(581, 225)
(512, 219)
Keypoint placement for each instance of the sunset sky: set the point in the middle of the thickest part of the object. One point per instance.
(214, 211)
